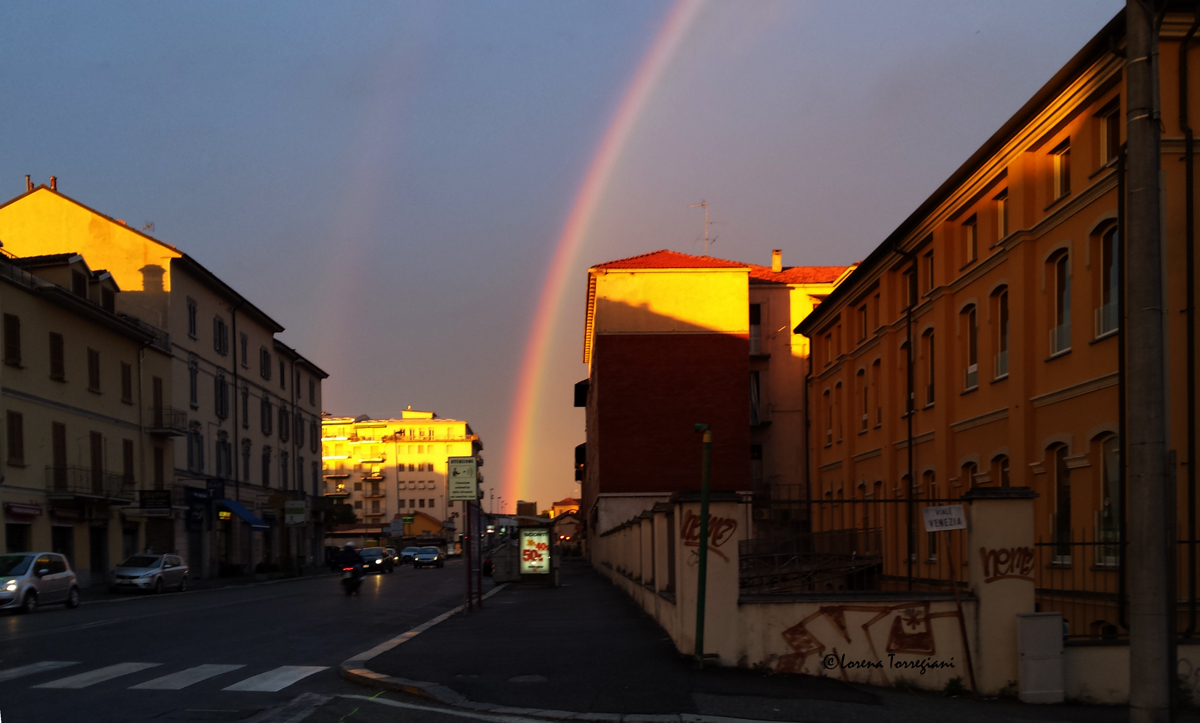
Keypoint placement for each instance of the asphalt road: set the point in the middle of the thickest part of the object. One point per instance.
(267, 652)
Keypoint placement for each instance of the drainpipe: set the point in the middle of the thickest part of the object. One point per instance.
(1122, 400)
(1190, 309)
(911, 409)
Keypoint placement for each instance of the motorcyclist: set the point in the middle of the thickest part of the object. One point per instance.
(351, 557)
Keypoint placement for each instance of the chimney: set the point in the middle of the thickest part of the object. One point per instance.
(777, 260)
(28, 184)
(53, 183)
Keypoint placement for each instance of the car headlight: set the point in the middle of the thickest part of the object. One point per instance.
(10, 586)
(379, 561)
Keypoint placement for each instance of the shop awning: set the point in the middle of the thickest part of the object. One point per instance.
(237, 509)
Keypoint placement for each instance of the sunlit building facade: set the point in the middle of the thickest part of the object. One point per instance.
(389, 468)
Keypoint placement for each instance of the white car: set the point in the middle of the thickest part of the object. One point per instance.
(30, 579)
(149, 572)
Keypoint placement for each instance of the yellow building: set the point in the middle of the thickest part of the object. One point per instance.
(1003, 287)
(389, 468)
(81, 447)
(242, 409)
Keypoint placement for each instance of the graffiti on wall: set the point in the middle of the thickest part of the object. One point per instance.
(720, 530)
(910, 632)
(1007, 562)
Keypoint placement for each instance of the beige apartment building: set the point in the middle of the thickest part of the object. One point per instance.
(388, 468)
(80, 446)
(240, 408)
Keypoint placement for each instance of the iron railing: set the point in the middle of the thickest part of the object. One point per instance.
(89, 482)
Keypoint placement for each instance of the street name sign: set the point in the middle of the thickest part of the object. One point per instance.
(397, 528)
(944, 517)
(462, 478)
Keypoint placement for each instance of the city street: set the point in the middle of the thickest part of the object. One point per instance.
(263, 652)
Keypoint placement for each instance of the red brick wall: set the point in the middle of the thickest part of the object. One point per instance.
(649, 390)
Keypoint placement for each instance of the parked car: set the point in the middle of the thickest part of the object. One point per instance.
(376, 559)
(149, 572)
(30, 579)
(429, 556)
(406, 556)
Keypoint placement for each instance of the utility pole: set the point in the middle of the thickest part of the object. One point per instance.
(1150, 600)
(705, 205)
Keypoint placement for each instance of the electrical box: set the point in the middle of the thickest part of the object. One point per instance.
(1040, 657)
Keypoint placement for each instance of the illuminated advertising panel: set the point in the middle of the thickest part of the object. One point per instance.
(535, 551)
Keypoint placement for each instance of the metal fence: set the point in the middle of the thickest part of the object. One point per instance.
(853, 544)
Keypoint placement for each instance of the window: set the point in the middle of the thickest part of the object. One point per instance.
(221, 396)
(909, 291)
(756, 329)
(927, 343)
(862, 323)
(282, 375)
(160, 467)
(374, 506)
(265, 413)
(828, 349)
(876, 369)
(220, 336)
(860, 381)
(422, 502)
(314, 439)
(312, 392)
(266, 467)
(16, 437)
(58, 367)
(195, 448)
(1001, 214)
(127, 461)
(827, 402)
(431, 503)
(755, 399)
(12, 340)
(358, 504)
(1108, 122)
(191, 312)
(1060, 331)
(928, 258)
(1106, 314)
(299, 430)
(969, 471)
(245, 352)
(837, 409)
(58, 454)
(194, 384)
(1060, 159)
(264, 363)
(929, 485)
(93, 362)
(108, 300)
(971, 337)
(1001, 362)
(1000, 470)
(970, 240)
(79, 284)
(246, 411)
(1108, 517)
(126, 383)
(284, 427)
(1062, 505)
(316, 478)
(246, 449)
(283, 470)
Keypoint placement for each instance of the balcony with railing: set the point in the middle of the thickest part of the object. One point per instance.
(167, 421)
(336, 489)
(69, 482)
(336, 473)
(1106, 319)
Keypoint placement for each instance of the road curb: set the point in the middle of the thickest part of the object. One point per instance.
(355, 670)
(143, 595)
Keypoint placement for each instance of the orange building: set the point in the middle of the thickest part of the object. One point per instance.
(1003, 289)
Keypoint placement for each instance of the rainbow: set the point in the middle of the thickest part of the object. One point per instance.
(537, 347)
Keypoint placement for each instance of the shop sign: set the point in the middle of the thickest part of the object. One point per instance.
(535, 551)
(66, 514)
(462, 478)
(154, 499)
(21, 509)
(407, 519)
(294, 512)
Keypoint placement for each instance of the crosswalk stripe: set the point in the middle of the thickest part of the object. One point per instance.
(277, 679)
(99, 675)
(32, 668)
(184, 678)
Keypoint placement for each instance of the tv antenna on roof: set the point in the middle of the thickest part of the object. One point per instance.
(706, 224)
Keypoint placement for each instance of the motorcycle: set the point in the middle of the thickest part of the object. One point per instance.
(351, 580)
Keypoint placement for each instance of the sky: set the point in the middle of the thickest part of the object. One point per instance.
(392, 181)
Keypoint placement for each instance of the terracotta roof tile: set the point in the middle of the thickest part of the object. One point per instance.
(664, 259)
(796, 274)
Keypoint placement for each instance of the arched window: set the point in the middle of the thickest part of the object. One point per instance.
(970, 338)
(1000, 302)
(929, 484)
(1106, 312)
(837, 409)
(827, 402)
(860, 380)
(195, 448)
(875, 376)
(246, 460)
(266, 466)
(1060, 321)
(1108, 517)
(1000, 470)
(1062, 505)
(967, 476)
(927, 350)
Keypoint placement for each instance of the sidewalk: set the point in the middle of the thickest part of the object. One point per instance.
(585, 647)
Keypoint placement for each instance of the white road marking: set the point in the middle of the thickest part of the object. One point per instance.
(32, 668)
(99, 675)
(184, 678)
(278, 679)
(446, 711)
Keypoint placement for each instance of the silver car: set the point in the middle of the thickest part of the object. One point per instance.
(149, 572)
(29, 579)
(431, 556)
